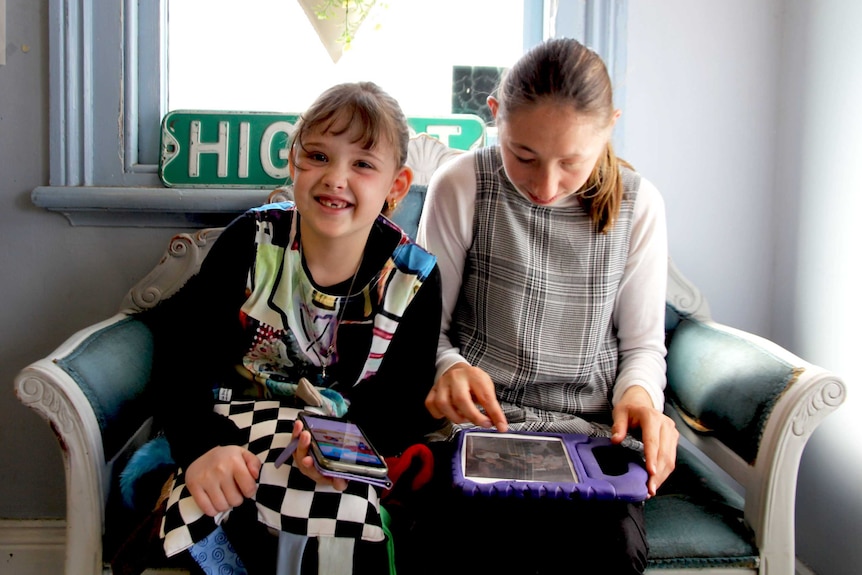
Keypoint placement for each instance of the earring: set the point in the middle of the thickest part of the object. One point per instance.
(391, 205)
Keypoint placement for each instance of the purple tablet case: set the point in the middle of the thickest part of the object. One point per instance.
(605, 471)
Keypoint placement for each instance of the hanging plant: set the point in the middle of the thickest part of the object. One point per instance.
(337, 21)
(352, 12)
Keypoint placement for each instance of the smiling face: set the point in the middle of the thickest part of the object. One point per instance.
(340, 186)
(548, 149)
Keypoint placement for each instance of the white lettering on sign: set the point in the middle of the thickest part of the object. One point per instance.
(266, 149)
(242, 168)
(197, 148)
(443, 133)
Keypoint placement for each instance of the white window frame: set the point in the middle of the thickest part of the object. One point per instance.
(108, 92)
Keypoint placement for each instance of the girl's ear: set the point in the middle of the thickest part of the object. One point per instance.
(401, 185)
(493, 105)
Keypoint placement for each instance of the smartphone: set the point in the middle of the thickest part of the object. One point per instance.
(339, 445)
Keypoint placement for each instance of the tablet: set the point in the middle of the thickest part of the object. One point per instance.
(552, 465)
(490, 457)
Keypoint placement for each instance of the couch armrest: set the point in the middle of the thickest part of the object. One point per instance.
(750, 406)
(91, 390)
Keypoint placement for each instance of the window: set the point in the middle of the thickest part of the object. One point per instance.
(224, 60)
(113, 77)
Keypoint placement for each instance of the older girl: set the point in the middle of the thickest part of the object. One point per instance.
(553, 259)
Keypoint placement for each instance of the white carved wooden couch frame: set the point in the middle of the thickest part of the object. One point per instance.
(766, 471)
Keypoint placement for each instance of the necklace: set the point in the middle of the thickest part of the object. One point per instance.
(325, 357)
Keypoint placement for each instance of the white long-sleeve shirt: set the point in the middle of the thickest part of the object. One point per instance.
(447, 227)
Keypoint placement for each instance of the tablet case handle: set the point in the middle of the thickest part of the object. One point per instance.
(616, 466)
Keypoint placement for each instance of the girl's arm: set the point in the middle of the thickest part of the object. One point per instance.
(446, 230)
(639, 390)
(195, 332)
(640, 309)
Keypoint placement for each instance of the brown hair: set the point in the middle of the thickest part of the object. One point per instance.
(564, 70)
(363, 108)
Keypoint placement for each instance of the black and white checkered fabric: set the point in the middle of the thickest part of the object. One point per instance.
(286, 499)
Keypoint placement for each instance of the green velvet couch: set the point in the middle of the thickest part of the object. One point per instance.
(745, 408)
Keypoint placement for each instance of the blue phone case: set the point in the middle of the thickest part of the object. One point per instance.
(604, 471)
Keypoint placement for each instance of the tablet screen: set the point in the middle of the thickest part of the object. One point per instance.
(507, 457)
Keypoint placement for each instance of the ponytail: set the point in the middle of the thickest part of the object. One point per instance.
(602, 195)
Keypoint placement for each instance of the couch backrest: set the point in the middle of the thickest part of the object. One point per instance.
(410, 209)
(425, 155)
(112, 367)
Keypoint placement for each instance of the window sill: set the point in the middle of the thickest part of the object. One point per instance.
(148, 207)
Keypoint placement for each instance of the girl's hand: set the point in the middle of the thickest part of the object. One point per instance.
(658, 432)
(305, 462)
(458, 391)
(222, 478)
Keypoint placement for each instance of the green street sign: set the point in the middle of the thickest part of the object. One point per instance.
(226, 149)
(459, 131)
(249, 149)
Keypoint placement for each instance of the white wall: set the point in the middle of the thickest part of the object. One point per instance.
(820, 141)
(700, 123)
(746, 115)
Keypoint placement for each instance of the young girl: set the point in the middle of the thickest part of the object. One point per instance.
(325, 298)
(553, 259)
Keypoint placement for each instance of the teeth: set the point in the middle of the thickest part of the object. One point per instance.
(333, 204)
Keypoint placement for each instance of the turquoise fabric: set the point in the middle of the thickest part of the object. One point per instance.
(112, 368)
(672, 317)
(406, 215)
(696, 520)
(333, 401)
(725, 383)
(150, 457)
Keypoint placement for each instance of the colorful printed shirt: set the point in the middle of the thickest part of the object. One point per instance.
(253, 321)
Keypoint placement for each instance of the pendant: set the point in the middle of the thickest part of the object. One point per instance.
(324, 361)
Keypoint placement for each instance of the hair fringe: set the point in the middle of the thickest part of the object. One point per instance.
(360, 106)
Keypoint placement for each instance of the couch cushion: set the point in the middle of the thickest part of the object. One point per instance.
(724, 384)
(696, 520)
(112, 367)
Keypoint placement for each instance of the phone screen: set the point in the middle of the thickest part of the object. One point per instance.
(342, 442)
